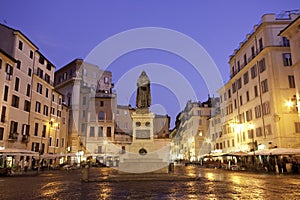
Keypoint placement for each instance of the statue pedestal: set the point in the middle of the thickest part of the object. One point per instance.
(145, 154)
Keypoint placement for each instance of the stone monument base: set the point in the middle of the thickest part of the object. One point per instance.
(155, 160)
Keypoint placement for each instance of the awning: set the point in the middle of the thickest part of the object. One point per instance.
(237, 153)
(15, 151)
(276, 151)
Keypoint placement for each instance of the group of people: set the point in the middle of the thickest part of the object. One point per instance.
(23, 165)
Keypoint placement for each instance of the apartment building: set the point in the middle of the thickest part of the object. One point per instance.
(188, 137)
(29, 84)
(255, 112)
(7, 65)
(292, 33)
(87, 90)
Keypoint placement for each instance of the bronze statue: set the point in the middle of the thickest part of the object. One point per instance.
(143, 96)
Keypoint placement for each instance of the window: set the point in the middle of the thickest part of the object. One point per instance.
(3, 114)
(257, 111)
(268, 129)
(247, 96)
(101, 103)
(52, 111)
(92, 131)
(27, 106)
(106, 80)
(17, 84)
(84, 101)
(245, 59)
(18, 64)
(297, 127)
(264, 86)
(47, 92)
(266, 108)
(47, 78)
(261, 46)
(83, 113)
(108, 131)
(262, 65)
(58, 113)
(40, 72)
(229, 93)
(20, 45)
(9, 71)
(249, 115)
(1, 133)
(285, 42)
(50, 141)
(253, 71)
(258, 132)
(44, 131)
(252, 52)
(101, 115)
(233, 88)
(232, 142)
(28, 90)
(287, 59)
(83, 128)
(38, 107)
(255, 91)
(200, 122)
(39, 88)
(291, 81)
(5, 97)
(99, 149)
(62, 142)
(0, 63)
(100, 131)
(15, 101)
(250, 133)
(239, 83)
(45, 112)
(241, 100)
(246, 78)
(31, 54)
(49, 66)
(235, 104)
(13, 129)
(41, 60)
(29, 72)
(36, 129)
(53, 97)
(57, 142)
(228, 143)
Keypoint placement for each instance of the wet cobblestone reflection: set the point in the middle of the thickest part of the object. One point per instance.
(208, 184)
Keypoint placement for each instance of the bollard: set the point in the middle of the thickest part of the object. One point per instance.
(85, 173)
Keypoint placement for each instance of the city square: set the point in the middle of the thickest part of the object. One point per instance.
(115, 102)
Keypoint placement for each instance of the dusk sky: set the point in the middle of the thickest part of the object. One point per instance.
(65, 30)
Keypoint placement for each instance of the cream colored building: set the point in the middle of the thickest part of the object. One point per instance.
(293, 34)
(30, 86)
(188, 137)
(6, 62)
(87, 90)
(255, 112)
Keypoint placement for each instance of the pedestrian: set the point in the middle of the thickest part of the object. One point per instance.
(279, 164)
(25, 165)
(284, 161)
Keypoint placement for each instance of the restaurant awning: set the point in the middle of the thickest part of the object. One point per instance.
(16, 151)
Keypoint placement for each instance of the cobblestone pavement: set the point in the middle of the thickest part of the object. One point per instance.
(203, 184)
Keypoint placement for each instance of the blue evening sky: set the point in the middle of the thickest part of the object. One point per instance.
(69, 29)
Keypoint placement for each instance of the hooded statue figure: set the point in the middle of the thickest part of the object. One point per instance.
(143, 96)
